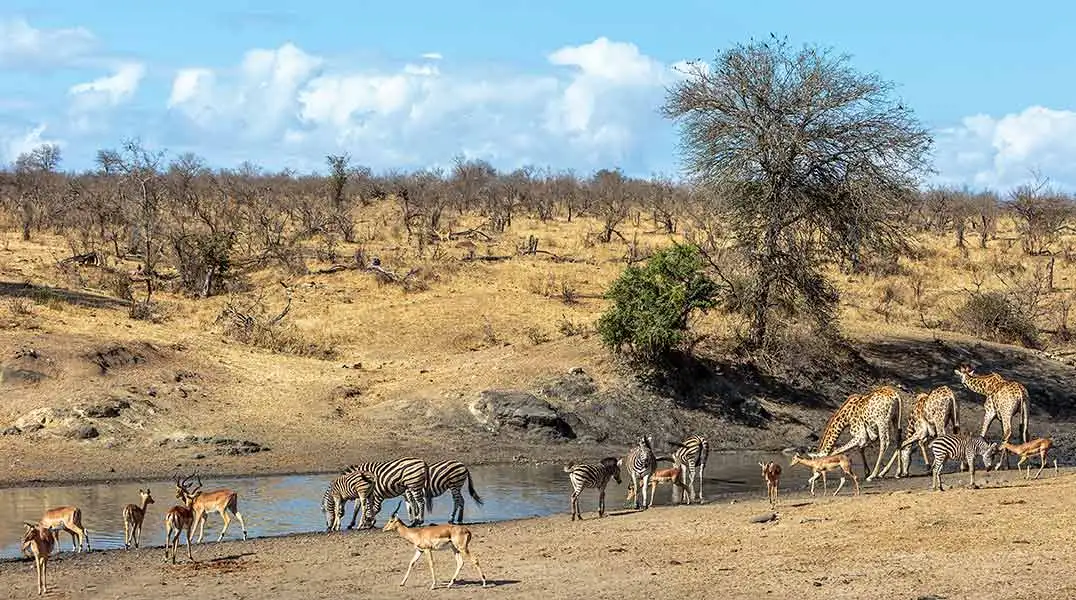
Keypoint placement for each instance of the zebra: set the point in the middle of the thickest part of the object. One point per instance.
(389, 479)
(690, 455)
(450, 475)
(348, 486)
(641, 463)
(592, 476)
(962, 447)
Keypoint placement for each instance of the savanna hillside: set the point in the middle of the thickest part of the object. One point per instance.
(160, 316)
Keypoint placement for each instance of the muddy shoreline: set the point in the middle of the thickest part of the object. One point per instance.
(891, 541)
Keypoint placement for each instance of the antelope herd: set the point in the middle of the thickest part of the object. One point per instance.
(869, 418)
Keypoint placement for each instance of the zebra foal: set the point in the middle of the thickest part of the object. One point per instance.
(949, 446)
(592, 476)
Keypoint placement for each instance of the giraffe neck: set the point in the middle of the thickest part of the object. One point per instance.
(980, 384)
(835, 426)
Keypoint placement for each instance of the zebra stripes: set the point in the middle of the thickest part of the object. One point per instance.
(348, 486)
(690, 455)
(592, 476)
(641, 464)
(450, 475)
(405, 476)
(950, 446)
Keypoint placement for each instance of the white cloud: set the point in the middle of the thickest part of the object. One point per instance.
(433, 56)
(257, 100)
(590, 110)
(26, 47)
(110, 91)
(1001, 153)
(14, 143)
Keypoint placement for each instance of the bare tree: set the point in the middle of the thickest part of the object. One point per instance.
(611, 200)
(808, 158)
(36, 183)
(1041, 214)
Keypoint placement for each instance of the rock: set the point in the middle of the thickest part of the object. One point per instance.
(765, 518)
(14, 375)
(11, 431)
(82, 432)
(520, 412)
(115, 356)
(41, 417)
(104, 410)
(577, 371)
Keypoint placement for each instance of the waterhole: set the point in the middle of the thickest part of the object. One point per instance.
(281, 505)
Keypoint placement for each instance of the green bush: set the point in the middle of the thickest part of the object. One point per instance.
(652, 303)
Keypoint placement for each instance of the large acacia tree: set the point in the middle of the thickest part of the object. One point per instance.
(806, 160)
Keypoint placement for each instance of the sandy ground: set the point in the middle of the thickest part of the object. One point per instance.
(1009, 539)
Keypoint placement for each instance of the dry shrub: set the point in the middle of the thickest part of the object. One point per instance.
(251, 324)
(536, 335)
(569, 328)
(995, 316)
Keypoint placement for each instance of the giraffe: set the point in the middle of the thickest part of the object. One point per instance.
(867, 417)
(1003, 399)
(932, 415)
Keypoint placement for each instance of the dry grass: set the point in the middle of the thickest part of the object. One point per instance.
(464, 306)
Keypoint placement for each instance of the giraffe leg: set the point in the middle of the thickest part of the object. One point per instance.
(1006, 433)
(883, 445)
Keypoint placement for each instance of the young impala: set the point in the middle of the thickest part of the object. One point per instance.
(203, 503)
(69, 519)
(133, 515)
(771, 472)
(670, 475)
(435, 537)
(40, 541)
(819, 467)
(1040, 446)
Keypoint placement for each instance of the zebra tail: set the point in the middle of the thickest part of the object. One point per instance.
(471, 491)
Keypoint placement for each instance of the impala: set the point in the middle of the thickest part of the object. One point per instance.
(203, 503)
(771, 472)
(435, 537)
(40, 541)
(670, 475)
(819, 467)
(69, 519)
(1040, 446)
(177, 520)
(133, 515)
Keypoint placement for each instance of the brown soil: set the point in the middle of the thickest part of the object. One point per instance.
(1009, 539)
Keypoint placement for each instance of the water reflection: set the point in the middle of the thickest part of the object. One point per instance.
(291, 504)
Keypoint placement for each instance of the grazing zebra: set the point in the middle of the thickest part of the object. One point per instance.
(450, 475)
(641, 464)
(690, 455)
(959, 446)
(592, 476)
(346, 487)
(389, 479)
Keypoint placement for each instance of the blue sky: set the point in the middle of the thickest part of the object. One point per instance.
(565, 84)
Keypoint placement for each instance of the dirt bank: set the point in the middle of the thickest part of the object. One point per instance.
(1009, 539)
